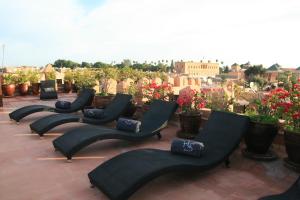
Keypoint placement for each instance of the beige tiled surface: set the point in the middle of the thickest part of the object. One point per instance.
(30, 169)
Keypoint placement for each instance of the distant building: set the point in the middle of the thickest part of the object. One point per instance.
(235, 67)
(197, 69)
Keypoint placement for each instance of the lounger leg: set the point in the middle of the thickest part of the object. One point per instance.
(69, 159)
(158, 135)
(32, 131)
(227, 163)
(17, 122)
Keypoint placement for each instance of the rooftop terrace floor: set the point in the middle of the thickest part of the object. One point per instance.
(31, 169)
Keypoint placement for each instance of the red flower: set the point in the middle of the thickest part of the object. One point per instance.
(156, 95)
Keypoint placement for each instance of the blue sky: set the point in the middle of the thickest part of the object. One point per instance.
(90, 4)
(261, 31)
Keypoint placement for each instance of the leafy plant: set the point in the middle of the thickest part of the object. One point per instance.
(22, 77)
(33, 76)
(84, 78)
(69, 75)
(9, 79)
(50, 75)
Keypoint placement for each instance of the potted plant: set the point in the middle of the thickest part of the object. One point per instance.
(9, 86)
(68, 79)
(104, 75)
(132, 90)
(153, 91)
(34, 78)
(22, 80)
(264, 113)
(292, 128)
(190, 102)
(50, 75)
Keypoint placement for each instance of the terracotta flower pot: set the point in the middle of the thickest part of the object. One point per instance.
(9, 90)
(260, 137)
(35, 87)
(67, 87)
(102, 101)
(189, 124)
(23, 88)
(292, 146)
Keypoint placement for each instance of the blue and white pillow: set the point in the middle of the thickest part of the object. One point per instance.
(94, 113)
(63, 104)
(51, 89)
(129, 125)
(187, 147)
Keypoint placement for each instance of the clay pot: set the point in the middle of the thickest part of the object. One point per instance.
(9, 90)
(292, 146)
(260, 136)
(67, 87)
(35, 88)
(23, 88)
(189, 123)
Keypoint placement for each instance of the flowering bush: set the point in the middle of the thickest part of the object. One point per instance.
(292, 109)
(191, 101)
(216, 98)
(153, 91)
(270, 107)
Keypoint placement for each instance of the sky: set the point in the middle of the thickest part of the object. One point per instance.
(38, 32)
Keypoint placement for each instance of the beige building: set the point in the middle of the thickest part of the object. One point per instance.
(197, 69)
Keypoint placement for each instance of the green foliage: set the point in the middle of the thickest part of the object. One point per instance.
(110, 72)
(100, 65)
(132, 89)
(253, 71)
(69, 75)
(226, 69)
(33, 76)
(261, 113)
(65, 63)
(22, 77)
(84, 78)
(50, 75)
(86, 65)
(9, 79)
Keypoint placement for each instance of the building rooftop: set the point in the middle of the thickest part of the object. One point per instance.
(31, 169)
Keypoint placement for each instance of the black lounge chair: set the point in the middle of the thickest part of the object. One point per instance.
(45, 86)
(293, 193)
(120, 103)
(84, 99)
(153, 121)
(122, 175)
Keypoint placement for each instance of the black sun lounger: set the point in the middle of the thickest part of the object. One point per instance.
(122, 175)
(153, 121)
(120, 103)
(85, 98)
(293, 193)
(45, 86)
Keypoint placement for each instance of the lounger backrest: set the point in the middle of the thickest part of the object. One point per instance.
(158, 115)
(223, 132)
(118, 105)
(45, 86)
(84, 98)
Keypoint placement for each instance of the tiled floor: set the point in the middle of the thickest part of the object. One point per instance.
(30, 169)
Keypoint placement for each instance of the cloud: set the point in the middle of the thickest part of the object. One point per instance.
(39, 32)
